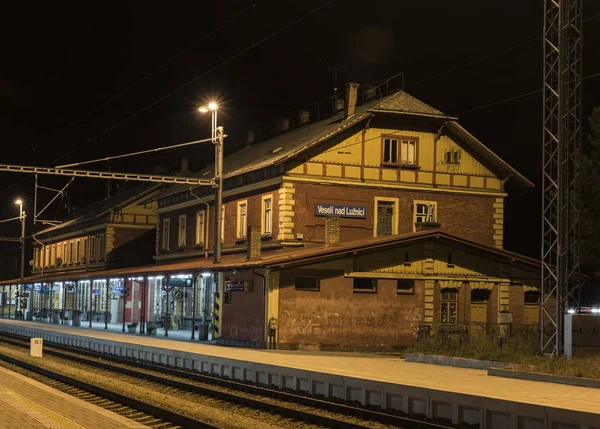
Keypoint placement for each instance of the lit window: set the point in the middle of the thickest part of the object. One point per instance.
(166, 233)
(409, 152)
(267, 215)
(200, 226)
(182, 231)
(242, 219)
(449, 307)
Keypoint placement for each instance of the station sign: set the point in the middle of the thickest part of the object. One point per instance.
(96, 292)
(177, 282)
(231, 286)
(358, 212)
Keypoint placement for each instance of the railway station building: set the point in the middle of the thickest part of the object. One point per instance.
(356, 230)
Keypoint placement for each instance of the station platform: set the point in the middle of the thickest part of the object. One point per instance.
(459, 394)
(28, 404)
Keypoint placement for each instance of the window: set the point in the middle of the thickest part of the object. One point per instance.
(532, 298)
(78, 252)
(200, 226)
(85, 250)
(400, 151)
(166, 233)
(362, 285)
(53, 255)
(92, 248)
(405, 286)
(424, 212)
(182, 231)
(453, 157)
(267, 215)
(386, 218)
(101, 247)
(37, 258)
(64, 253)
(242, 219)
(480, 295)
(47, 256)
(449, 307)
(390, 151)
(307, 283)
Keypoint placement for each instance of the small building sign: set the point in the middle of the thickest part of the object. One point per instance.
(359, 212)
(231, 286)
(36, 346)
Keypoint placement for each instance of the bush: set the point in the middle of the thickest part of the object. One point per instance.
(487, 345)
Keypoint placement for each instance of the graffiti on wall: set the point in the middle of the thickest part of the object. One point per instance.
(403, 319)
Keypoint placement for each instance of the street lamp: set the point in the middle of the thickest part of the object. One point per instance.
(217, 139)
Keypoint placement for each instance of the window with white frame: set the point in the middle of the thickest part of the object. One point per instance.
(242, 218)
(77, 258)
(424, 212)
(166, 233)
(53, 255)
(182, 231)
(84, 255)
(200, 227)
(267, 215)
(37, 258)
(399, 151)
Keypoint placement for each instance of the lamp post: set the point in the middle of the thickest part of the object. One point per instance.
(19, 202)
(217, 139)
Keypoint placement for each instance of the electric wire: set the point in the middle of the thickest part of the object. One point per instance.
(131, 86)
(212, 69)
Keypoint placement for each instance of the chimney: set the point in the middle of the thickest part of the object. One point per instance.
(332, 231)
(250, 138)
(184, 163)
(304, 117)
(351, 96)
(253, 242)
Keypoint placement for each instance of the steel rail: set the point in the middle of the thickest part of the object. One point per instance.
(160, 413)
(367, 414)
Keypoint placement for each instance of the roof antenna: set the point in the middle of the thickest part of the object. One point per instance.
(334, 70)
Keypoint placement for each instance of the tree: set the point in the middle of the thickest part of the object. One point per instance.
(590, 207)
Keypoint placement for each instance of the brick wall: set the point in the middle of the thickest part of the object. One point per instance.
(468, 216)
(337, 318)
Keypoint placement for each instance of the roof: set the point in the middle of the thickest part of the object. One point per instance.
(312, 253)
(103, 206)
(290, 143)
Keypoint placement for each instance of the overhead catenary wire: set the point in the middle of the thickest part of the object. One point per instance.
(131, 86)
(212, 69)
(141, 152)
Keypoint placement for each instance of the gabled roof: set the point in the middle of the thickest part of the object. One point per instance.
(103, 206)
(312, 253)
(288, 144)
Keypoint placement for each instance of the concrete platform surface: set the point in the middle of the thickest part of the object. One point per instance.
(26, 404)
(462, 394)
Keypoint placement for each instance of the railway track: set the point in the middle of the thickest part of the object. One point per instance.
(180, 379)
(133, 409)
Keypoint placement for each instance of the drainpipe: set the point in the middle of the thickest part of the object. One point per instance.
(265, 303)
(205, 221)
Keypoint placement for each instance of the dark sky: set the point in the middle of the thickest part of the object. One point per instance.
(63, 60)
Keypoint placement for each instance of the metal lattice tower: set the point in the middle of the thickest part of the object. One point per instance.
(561, 269)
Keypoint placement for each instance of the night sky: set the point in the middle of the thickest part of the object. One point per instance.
(77, 71)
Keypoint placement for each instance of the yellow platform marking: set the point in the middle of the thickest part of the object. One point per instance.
(48, 418)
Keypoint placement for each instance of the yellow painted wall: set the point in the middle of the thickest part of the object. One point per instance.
(349, 153)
